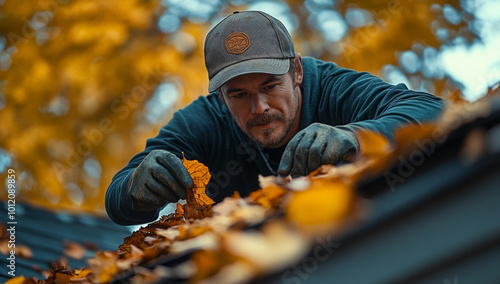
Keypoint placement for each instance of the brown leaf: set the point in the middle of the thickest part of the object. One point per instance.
(193, 211)
(24, 251)
(74, 250)
(474, 145)
(90, 246)
(61, 274)
(4, 247)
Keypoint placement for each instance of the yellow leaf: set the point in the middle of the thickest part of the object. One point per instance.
(16, 280)
(103, 266)
(326, 201)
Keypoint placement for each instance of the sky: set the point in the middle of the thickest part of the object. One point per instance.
(476, 66)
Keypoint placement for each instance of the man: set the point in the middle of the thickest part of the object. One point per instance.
(269, 112)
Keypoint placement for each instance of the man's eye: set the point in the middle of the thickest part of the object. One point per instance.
(237, 95)
(270, 87)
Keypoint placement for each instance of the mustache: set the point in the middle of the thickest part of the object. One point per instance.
(264, 118)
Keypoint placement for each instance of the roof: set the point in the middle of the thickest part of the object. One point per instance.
(438, 226)
(46, 232)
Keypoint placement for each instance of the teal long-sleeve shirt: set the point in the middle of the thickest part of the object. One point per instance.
(205, 131)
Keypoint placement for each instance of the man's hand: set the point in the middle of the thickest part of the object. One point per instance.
(316, 145)
(160, 178)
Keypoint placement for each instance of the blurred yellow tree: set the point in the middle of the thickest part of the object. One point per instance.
(75, 92)
(79, 78)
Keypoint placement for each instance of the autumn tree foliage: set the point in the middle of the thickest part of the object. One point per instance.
(79, 78)
(75, 93)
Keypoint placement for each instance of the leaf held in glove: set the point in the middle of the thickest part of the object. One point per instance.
(200, 175)
(198, 203)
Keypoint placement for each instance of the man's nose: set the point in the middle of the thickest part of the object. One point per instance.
(260, 103)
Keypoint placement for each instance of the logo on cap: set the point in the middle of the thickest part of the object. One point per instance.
(237, 42)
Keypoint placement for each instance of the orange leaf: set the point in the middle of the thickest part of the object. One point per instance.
(373, 144)
(268, 197)
(209, 262)
(80, 274)
(408, 137)
(198, 204)
(200, 175)
(376, 149)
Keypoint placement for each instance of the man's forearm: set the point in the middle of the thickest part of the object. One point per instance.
(410, 107)
(118, 205)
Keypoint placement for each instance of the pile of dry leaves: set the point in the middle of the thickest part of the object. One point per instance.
(240, 239)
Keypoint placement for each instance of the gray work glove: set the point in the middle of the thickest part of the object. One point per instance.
(316, 145)
(159, 179)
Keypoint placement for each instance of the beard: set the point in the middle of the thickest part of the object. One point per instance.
(272, 137)
(269, 138)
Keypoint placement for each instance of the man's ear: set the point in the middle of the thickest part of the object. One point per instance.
(299, 71)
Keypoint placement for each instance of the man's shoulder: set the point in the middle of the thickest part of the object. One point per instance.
(205, 110)
(211, 99)
(318, 68)
(309, 61)
(208, 103)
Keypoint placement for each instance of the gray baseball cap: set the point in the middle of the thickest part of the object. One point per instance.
(247, 42)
